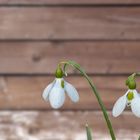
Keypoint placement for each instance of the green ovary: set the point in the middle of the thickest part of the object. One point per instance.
(130, 96)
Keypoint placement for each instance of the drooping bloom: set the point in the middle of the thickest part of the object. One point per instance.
(55, 92)
(130, 98)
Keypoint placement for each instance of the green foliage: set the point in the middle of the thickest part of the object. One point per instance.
(88, 130)
(95, 92)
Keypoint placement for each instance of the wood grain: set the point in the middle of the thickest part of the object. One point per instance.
(94, 57)
(25, 92)
(67, 2)
(54, 125)
(102, 35)
(70, 23)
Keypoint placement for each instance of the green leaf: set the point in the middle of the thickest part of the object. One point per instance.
(139, 138)
(88, 130)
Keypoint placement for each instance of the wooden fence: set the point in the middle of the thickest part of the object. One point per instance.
(101, 35)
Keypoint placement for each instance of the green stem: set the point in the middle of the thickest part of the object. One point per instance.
(95, 92)
(88, 130)
(134, 74)
(137, 74)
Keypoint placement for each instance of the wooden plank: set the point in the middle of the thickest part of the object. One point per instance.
(67, 2)
(70, 23)
(64, 125)
(25, 92)
(42, 58)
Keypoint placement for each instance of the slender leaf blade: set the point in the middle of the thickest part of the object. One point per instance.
(88, 130)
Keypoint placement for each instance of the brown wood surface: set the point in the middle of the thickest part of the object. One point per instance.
(70, 23)
(102, 35)
(94, 57)
(63, 2)
(25, 92)
(54, 125)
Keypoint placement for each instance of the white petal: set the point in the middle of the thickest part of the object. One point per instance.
(72, 92)
(119, 106)
(136, 94)
(47, 90)
(57, 95)
(135, 106)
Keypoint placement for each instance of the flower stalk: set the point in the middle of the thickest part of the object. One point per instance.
(95, 92)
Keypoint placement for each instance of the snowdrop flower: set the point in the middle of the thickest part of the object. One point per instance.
(55, 91)
(130, 98)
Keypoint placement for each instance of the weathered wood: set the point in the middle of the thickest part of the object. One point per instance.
(70, 23)
(94, 57)
(67, 2)
(25, 92)
(56, 125)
